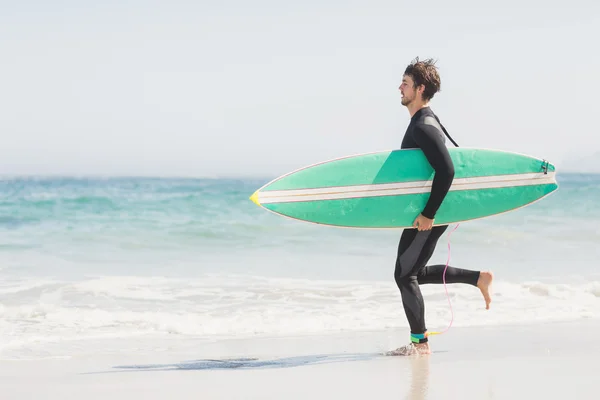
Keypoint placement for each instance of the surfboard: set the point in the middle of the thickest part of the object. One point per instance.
(388, 189)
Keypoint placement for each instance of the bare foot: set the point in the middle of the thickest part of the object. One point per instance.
(483, 283)
(411, 349)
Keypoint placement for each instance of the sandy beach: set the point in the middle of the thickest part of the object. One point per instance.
(549, 361)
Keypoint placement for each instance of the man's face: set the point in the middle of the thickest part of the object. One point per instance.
(409, 93)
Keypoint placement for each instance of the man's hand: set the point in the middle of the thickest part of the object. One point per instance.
(423, 223)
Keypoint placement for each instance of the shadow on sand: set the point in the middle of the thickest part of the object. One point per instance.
(418, 384)
(253, 363)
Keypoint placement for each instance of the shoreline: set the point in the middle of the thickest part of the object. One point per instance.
(553, 360)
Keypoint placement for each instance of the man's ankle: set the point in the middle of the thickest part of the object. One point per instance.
(418, 338)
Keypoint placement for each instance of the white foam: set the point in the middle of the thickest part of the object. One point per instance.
(235, 306)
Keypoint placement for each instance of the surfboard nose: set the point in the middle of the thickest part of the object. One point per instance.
(254, 198)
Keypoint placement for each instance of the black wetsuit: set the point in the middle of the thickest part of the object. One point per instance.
(416, 248)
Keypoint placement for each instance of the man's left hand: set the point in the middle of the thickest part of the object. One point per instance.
(423, 223)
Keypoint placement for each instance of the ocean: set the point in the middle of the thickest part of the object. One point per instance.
(126, 259)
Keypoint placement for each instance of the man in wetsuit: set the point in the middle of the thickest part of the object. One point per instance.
(419, 84)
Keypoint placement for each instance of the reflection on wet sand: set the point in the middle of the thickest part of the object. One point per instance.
(419, 381)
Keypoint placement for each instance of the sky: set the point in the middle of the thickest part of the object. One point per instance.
(238, 89)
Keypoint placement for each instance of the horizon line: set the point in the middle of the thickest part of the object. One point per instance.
(190, 177)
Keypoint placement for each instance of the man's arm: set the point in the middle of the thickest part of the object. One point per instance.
(431, 143)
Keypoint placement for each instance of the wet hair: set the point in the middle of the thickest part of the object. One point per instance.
(424, 73)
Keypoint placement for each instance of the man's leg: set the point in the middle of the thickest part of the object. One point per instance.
(434, 274)
(414, 251)
(408, 262)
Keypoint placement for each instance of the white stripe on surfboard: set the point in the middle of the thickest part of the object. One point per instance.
(403, 185)
(403, 188)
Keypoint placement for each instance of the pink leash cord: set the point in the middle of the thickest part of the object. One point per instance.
(447, 295)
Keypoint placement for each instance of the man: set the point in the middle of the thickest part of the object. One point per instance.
(419, 84)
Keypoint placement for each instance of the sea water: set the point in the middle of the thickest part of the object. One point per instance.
(83, 259)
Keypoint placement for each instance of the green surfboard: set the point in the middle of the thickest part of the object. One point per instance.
(389, 189)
